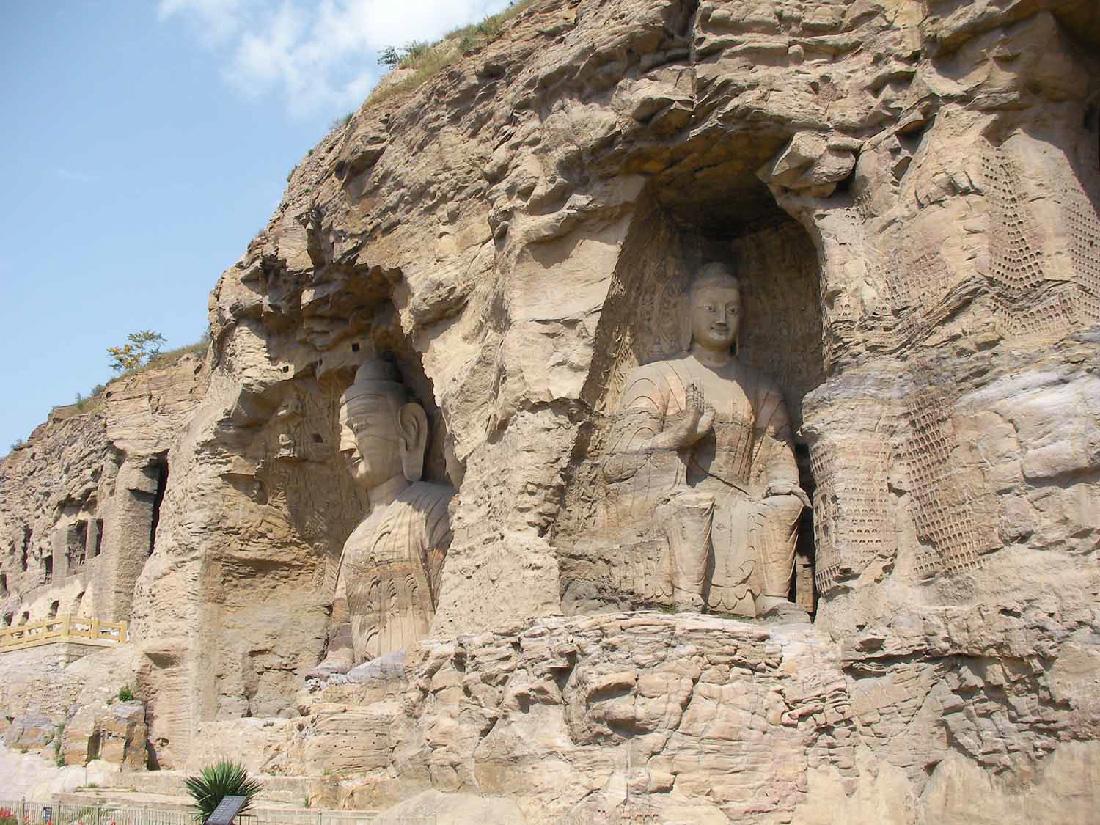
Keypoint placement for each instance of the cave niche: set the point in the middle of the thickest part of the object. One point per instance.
(673, 235)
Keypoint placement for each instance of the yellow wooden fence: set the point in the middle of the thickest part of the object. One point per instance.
(62, 629)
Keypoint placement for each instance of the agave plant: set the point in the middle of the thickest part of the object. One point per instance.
(220, 780)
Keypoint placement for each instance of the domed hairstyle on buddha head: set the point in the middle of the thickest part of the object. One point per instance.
(383, 431)
(713, 314)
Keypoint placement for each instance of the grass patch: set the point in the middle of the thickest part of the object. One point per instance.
(169, 357)
(339, 123)
(94, 400)
(426, 60)
(91, 402)
(58, 756)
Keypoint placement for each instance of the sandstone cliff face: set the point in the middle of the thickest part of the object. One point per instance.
(80, 505)
(909, 191)
(80, 498)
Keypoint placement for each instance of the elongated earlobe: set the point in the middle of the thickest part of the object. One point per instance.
(413, 422)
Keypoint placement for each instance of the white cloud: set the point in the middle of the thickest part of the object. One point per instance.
(320, 55)
(217, 21)
(74, 175)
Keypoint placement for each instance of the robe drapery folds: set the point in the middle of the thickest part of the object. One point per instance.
(710, 497)
(388, 586)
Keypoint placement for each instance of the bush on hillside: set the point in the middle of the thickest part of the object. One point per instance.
(142, 347)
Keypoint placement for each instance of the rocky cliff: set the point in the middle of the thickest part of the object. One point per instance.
(908, 192)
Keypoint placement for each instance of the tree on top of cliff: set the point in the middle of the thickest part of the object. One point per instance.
(143, 346)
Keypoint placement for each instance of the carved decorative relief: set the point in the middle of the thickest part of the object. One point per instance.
(852, 522)
(1026, 303)
(948, 495)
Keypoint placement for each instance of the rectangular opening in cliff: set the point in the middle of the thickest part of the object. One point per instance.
(128, 537)
(76, 543)
(158, 470)
(95, 538)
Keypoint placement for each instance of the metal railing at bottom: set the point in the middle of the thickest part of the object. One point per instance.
(26, 812)
(309, 817)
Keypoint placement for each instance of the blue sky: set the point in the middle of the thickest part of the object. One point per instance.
(142, 145)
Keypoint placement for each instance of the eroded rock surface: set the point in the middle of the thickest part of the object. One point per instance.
(908, 194)
(683, 710)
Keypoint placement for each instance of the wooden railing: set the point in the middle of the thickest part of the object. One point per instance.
(63, 629)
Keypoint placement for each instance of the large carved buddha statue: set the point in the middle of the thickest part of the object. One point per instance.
(388, 584)
(704, 443)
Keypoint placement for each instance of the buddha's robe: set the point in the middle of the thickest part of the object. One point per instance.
(388, 586)
(728, 471)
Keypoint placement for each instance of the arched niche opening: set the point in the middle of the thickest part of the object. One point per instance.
(283, 464)
(389, 341)
(781, 336)
(287, 435)
(679, 227)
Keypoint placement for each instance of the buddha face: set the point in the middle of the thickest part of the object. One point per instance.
(715, 316)
(371, 438)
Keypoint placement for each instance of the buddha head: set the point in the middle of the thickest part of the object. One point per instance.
(714, 309)
(383, 433)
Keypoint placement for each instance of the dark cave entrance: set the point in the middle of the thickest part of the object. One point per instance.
(157, 471)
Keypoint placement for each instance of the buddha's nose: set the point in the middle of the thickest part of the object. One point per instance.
(347, 443)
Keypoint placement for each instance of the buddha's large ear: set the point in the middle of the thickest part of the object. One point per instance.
(685, 324)
(412, 421)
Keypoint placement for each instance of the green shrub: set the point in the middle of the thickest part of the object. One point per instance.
(125, 694)
(217, 781)
(414, 51)
(339, 123)
(168, 357)
(389, 56)
(140, 349)
(58, 757)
